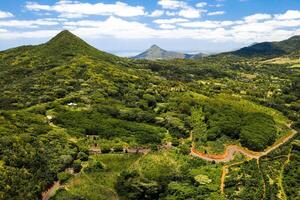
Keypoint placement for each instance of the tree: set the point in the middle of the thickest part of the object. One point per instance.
(198, 124)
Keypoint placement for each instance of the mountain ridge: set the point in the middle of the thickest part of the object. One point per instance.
(157, 53)
(269, 49)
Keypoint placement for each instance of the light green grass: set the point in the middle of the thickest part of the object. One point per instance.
(99, 184)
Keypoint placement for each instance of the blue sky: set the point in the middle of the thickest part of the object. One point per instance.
(126, 27)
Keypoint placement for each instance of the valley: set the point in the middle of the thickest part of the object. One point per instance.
(77, 123)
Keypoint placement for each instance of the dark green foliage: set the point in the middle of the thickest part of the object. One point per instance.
(31, 164)
(184, 149)
(94, 165)
(225, 121)
(129, 186)
(291, 172)
(63, 176)
(94, 123)
(258, 132)
(77, 166)
(82, 156)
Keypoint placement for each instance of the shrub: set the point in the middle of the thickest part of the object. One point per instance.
(82, 156)
(63, 176)
(94, 165)
(77, 166)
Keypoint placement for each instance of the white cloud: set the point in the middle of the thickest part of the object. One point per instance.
(201, 4)
(172, 4)
(201, 24)
(4, 14)
(170, 21)
(190, 12)
(216, 13)
(157, 13)
(75, 9)
(216, 5)
(208, 24)
(255, 28)
(257, 17)
(28, 23)
(28, 34)
(112, 27)
(167, 26)
(182, 8)
(290, 14)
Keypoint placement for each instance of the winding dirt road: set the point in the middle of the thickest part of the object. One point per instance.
(231, 150)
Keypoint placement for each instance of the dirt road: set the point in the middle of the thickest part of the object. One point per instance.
(231, 150)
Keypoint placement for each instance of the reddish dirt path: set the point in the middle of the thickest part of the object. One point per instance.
(231, 150)
(224, 172)
(46, 195)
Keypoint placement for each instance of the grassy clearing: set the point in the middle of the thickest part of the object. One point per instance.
(216, 147)
(211, 174)
(99, 184)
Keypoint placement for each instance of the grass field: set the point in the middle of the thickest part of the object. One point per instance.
(99, 184)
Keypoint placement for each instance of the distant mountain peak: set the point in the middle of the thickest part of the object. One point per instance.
(157, 53)
(154, 46)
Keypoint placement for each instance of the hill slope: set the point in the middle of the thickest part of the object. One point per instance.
(270, 49)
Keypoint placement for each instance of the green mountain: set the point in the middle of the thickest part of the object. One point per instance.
(64, 102)
(271, 49)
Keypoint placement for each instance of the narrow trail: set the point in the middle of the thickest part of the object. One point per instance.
(282, 194)
(49, 193)
(231, 150)
(224, 173)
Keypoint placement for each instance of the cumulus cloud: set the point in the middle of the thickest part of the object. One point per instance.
(290, 14)
(170, 21)
(254, 28)
(190, 12)
(113, 27)
(182, 8)
(157, 13)
(257, 17)
(75, 9)
(167, 26)
(29, 23)
(28, 34)
(4, 14)
(172, 4)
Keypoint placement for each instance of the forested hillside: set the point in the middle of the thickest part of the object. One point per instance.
(107, 127)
